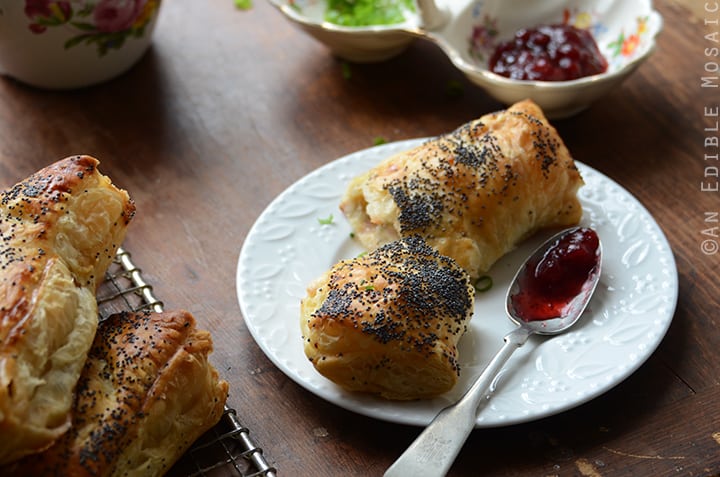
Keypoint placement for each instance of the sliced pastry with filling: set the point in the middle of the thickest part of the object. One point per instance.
(388, 322)
(474, 193)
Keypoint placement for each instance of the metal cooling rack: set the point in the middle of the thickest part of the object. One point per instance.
(227, 448)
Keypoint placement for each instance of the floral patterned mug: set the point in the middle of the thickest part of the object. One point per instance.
(65, 44)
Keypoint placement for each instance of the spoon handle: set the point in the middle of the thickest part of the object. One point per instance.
(434, 451)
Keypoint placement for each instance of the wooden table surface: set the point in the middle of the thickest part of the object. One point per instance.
(230, 107)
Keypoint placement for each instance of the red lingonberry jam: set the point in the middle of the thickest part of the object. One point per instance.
(548, 284)
(548, 53)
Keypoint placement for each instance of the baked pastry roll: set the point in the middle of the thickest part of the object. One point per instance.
(146, 393)
(60, 229)
(388, 322)
(474, 193)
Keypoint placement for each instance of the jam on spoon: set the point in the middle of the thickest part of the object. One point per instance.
(549, 284)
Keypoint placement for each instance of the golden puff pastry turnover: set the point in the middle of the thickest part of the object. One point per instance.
(146, 393)
(388, 322)
(60, 229)
(474, 193)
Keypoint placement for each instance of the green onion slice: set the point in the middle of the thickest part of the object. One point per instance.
(484, 283)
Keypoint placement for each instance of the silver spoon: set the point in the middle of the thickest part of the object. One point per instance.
(435, 449)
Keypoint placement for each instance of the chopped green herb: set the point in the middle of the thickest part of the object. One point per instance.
(379, 140)
(484, 283)
(369, 287)
(352, 235)
(327, 221)
(367, 12)
(361, 254)
(243, 4)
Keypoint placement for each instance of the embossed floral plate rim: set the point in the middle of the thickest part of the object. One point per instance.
(302, 233)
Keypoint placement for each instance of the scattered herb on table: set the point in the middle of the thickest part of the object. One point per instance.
(243, 4)
(345, 69)
(379, 140)
(454, 89)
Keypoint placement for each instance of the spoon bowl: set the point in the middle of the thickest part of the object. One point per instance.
(547, 296)
(564, 306)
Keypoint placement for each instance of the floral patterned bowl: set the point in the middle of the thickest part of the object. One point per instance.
(469, 30)
(63, 44)
(624, 31)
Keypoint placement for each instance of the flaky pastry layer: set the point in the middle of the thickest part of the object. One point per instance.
(60, 229)
(146, 393)
(389, 322)
(474, 193)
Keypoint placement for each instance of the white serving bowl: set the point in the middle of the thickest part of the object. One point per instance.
(624, 31)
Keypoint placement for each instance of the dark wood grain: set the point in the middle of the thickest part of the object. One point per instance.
(230, 107)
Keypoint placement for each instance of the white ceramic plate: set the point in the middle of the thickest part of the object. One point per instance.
(627, 318)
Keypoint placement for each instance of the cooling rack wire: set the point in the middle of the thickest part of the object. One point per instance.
(225, 450)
